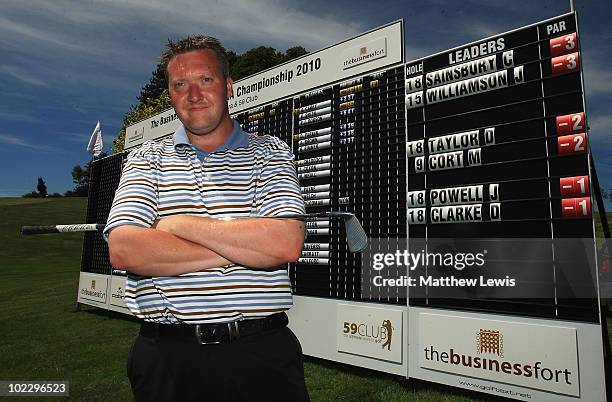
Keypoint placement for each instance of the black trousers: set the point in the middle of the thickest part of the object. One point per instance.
(264, 367)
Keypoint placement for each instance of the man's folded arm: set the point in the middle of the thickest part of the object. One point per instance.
(151, 252)
(253, 242)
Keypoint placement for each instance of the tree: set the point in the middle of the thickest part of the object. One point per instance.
(261, 58)
(81, 177)
(293, 53)
(231, 58)
(42, 190)
(156, 85)
(253, 61)
(41, 187)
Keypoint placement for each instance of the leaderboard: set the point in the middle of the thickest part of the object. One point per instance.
(497, 146)
(484, 141)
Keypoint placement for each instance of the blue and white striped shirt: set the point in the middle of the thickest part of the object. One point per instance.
(248, 175)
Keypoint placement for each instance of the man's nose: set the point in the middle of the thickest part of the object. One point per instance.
(195, 94)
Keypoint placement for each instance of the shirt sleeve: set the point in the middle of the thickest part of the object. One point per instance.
(135, 201)
(279, 187)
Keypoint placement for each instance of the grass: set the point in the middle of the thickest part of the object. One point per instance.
(598, 224)
(45, 338)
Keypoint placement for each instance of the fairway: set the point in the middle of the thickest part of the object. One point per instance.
(45, 338)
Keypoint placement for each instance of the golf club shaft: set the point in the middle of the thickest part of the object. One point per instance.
(93, 227)
(355, 235)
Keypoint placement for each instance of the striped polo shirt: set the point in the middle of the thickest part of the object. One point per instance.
(248, 175)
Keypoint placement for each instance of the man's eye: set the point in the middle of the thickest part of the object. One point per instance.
(207, 79)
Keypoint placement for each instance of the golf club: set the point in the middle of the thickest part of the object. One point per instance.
(356, 237)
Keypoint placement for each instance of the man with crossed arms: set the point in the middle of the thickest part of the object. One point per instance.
(212, 292)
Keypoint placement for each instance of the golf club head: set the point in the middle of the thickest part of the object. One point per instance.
(356, 237)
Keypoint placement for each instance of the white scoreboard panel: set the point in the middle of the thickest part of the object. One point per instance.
(498, 148)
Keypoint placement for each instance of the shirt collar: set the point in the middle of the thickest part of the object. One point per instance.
(237, 139)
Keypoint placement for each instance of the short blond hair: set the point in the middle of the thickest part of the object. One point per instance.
(191, 43)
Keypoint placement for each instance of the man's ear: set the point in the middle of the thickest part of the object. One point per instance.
(230, 87)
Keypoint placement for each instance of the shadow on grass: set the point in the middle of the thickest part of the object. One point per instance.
(110, 314)
(410, 385)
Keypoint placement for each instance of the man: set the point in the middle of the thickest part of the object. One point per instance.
(212, 292)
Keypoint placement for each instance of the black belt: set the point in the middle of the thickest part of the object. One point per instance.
(205, 334)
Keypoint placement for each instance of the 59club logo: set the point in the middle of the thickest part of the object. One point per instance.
(370, 332)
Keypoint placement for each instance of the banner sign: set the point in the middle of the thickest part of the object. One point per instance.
(533, 356)
(371, 332)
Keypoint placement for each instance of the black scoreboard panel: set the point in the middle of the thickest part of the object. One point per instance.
(312, 144)
(349, 141)
(497, 148)
(349, 144)
(273, 119)
(104, 180)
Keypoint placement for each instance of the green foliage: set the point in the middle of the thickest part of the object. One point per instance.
(156, 85)
(231, 58)
(261, 58)
(293, 53)
(150, 107)
(253, 61)
(80, 178)
(43, 337)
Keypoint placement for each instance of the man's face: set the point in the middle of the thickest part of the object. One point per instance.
(198, 90)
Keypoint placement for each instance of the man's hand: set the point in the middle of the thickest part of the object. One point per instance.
(166, 224)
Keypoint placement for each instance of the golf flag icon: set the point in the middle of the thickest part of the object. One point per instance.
(95, 142)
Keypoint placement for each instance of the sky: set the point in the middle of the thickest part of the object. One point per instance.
(67, 64)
